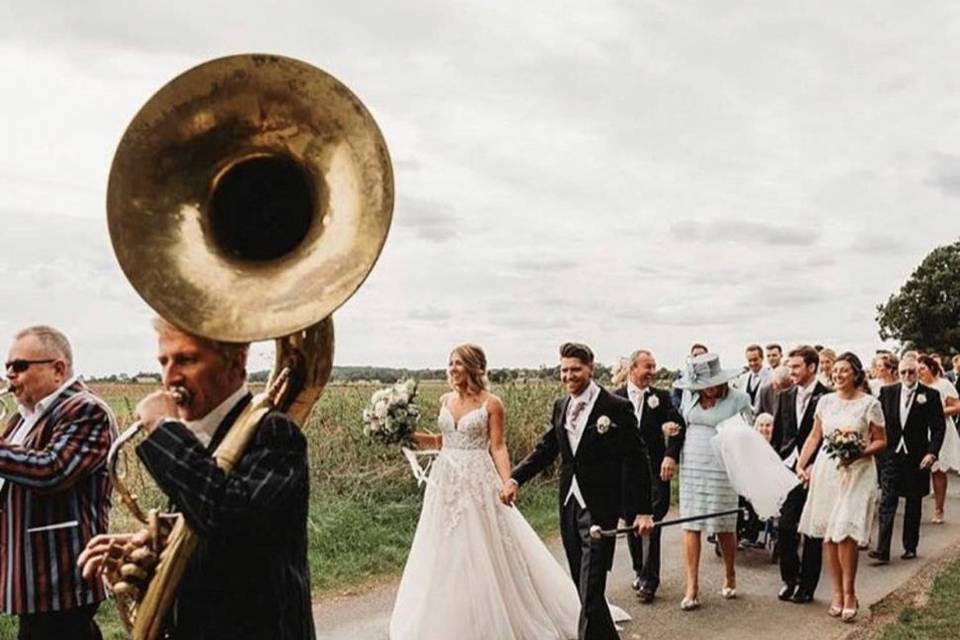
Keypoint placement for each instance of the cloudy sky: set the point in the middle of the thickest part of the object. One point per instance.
(622, 173)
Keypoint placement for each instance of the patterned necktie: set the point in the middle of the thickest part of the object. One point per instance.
(576, 411)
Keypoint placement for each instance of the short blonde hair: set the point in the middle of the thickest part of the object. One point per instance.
(829, 354)
(226, 350)
(475, 362)
(765, 417)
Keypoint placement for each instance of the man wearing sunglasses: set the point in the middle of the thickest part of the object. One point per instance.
(54, 489)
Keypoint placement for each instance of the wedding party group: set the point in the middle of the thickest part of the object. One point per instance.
(811, 439)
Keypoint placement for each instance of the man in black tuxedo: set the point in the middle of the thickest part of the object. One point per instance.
(604, 475)
(915, 429)
(792, 423)
(658, 419)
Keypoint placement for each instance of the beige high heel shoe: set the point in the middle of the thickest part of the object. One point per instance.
(848, 615)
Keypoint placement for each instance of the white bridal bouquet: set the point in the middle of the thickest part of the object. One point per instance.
(392, 413)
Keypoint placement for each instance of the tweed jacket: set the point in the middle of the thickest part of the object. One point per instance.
(57, 476)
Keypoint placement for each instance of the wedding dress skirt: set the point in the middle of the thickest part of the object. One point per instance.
(477, 570)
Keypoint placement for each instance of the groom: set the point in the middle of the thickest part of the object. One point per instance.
(604, 475)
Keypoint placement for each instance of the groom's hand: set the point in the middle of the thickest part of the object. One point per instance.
(643, 524)
(508, 494)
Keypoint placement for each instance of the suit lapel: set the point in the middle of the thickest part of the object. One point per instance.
(560, 426)
(228, 421)
(36, 439)
(590, 429)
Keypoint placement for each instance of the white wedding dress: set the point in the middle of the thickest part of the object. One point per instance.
(477, 570)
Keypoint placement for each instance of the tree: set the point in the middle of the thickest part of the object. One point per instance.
(926, 311)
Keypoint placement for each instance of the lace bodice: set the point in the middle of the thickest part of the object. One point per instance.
(469, 433)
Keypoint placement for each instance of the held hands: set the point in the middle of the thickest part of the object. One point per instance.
(670, 429)
(804, 475)
(927, 461)
(508, 494)
(667, 468)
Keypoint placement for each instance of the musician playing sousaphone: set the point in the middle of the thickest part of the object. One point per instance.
(248, 200)
(249, 575)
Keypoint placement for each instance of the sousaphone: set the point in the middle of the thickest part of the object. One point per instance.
(248, 199)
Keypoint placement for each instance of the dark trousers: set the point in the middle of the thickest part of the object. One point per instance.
(75, 624)
(911, 521)
(646, 557)
(589, 562)
(804, 572)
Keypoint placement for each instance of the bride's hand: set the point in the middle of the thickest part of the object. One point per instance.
(508, 494)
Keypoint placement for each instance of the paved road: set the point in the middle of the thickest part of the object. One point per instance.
(756, 613)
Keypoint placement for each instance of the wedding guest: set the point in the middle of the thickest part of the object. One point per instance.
(704, 484)
(838, 507)
(764, 424)
(825, 375)
(792, 424)
(661, 429)
(676, 394)
(929, 373)
(755, 375)
(774, 355)
(955, 374)
(915, 432)
(884, 368)
(770, 392)
(619, 373)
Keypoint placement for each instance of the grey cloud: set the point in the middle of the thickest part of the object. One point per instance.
(542, 264)
(946, 174)
(429, 220)
(744, 232)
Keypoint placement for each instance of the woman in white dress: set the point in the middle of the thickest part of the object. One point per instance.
(476, 569)
(839, 506)
(930, 374)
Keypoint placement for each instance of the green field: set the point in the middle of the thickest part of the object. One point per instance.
(364, 502)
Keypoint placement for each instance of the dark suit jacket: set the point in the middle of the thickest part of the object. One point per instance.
(651, 424)
(788, 436)
(612, 469)
(922, 433)
(249, 577)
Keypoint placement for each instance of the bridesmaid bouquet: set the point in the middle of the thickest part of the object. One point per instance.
(844, 444)
(392, 413)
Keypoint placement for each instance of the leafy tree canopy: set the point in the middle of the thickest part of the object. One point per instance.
(925, 314)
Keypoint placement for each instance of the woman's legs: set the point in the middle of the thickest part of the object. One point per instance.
(939, 492)
(848, 555)
(728, 547)
(831, 553)
(691, 554)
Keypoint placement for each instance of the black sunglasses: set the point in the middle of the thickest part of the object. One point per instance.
(19, 366)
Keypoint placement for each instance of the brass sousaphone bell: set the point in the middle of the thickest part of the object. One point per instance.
(248, 199)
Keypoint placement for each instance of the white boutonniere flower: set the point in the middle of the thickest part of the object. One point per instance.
(921, 398)
(653, 401)
(603, 424)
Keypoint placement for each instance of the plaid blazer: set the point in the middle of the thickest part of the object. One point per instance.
(58, 475)
(249, 577)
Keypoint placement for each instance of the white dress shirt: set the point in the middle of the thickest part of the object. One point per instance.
(575, 429)
(803, 400)
(907, 396)
(206, 427)
(30, 418)
(637, 397)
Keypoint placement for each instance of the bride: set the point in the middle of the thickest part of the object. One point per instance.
(477, 570)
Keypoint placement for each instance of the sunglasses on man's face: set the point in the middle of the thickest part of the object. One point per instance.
(19, 366)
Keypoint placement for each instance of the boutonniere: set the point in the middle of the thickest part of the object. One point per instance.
(921, 398)
(604, 425)
(653, 401)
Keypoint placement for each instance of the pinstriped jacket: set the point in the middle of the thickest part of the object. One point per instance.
(249, 578)
(57, 475)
